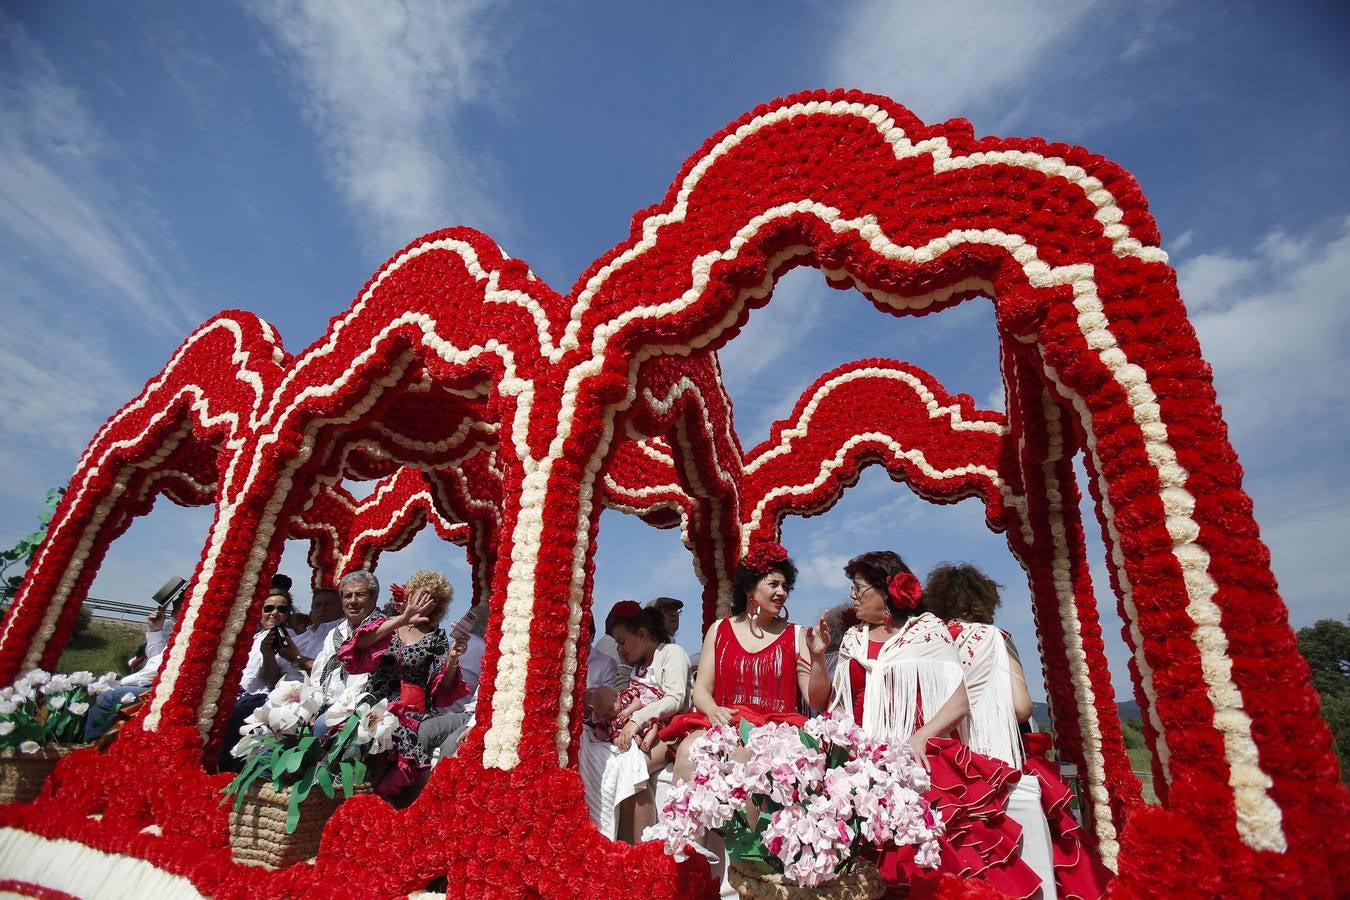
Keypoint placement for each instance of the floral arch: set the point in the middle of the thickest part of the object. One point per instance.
(1097, 356)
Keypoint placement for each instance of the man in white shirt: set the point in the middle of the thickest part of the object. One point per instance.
(104, 711)
(325, 612)
(358, 592)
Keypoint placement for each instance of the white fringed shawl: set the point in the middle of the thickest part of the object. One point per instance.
(916, 666)
(983, 651)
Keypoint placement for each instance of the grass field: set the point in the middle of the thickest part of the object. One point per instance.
(102, 647)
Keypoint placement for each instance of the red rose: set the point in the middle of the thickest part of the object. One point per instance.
(905, 590)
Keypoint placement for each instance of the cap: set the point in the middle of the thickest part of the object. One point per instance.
(666, 603)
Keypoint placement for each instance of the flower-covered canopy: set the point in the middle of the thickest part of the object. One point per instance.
(507, 414)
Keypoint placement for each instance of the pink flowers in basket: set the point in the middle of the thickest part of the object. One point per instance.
(805, 802)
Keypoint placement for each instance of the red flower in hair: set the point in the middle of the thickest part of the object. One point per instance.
(762, 558)
(626, 609)
(397, 593)
(905, 590)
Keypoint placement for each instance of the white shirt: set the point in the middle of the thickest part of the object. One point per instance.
(311, 642)
(338, 679)
(155, 644)
(252, 682)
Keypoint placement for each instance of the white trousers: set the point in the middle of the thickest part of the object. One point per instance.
(1024, 808)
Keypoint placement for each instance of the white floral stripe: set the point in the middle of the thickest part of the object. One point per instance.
(61, 865)
(1062, 574)
(1259, 819)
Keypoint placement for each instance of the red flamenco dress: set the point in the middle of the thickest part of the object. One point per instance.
(1079, 874)
(761, 686)
(970, 790)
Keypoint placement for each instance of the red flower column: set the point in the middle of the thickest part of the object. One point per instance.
(1195, 582)
(1077, 675)
(211, 642)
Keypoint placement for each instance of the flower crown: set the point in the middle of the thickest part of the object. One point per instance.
(626, 609)
(763, 558)
(905, 591)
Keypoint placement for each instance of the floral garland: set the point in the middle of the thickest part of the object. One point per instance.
(916, 217)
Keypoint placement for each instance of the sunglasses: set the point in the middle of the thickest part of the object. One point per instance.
(280, 609)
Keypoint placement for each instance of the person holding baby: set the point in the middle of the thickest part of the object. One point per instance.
(620, 748)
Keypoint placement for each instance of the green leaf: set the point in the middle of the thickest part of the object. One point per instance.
(808, 740)
(745, 731)
(359, 770)
(347, 778)
(293, 813)
(325, 779)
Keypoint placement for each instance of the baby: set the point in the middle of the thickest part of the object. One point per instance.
(611, 710)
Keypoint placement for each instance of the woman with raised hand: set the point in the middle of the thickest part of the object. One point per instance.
(999, 702)
(899, 678)
(755, 665)
(620, 749)
(412, 665)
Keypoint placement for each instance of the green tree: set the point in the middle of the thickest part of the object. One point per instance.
(21, 554)
(1326, 647)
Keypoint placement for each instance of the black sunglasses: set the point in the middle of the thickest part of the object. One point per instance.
(270, 609)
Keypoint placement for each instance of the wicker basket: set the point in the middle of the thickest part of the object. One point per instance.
(861, 882)
(258, 828)
(23, 774)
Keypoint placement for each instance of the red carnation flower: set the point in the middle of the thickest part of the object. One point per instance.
(762, 558)
(905, 590)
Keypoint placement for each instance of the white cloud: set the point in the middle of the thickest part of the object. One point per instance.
(1275, 323)
(59, 211)
(381, 84)
(945, 59)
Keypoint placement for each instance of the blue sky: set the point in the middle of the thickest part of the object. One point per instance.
(161, 161)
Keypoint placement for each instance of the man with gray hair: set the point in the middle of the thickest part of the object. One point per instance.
(358, 592)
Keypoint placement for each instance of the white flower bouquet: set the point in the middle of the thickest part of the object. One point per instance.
(280, 746)
(804, 802)
(41, 709)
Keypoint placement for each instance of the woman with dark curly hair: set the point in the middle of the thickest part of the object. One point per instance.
(999, 703)
(899, 678)
(755, 664)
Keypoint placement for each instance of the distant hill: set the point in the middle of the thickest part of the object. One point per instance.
(1128, 710)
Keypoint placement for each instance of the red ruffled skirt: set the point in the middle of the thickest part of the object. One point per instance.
(971, 792)
(684, 724)
(1079, 874)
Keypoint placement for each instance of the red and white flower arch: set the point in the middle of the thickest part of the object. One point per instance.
(1097, 351)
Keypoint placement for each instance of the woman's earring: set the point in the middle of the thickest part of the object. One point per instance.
(889, 620)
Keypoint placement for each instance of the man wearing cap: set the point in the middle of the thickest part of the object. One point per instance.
(670, 608)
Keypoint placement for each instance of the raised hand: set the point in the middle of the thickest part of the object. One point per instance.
(417, 610)
(818, 638)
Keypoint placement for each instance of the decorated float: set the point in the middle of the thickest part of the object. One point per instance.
(506, 415)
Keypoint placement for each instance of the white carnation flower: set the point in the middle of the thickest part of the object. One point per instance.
(36, 676)
(81, 679)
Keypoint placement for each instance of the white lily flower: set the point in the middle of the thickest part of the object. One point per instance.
(128, 697)
(30, 747)
(376, 727)
(8, 707)
(56, 702)
(346, 703)
(81, 679)
(245, 746)
(36, 677)
(79, 709)
(6, 728)
(306, 697)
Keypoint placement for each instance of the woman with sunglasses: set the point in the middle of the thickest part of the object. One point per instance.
(899, 678)
(272, 657)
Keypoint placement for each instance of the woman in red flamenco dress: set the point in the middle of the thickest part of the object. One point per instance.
(1052, 841)
(755, 665)
(899, 678)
